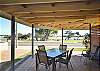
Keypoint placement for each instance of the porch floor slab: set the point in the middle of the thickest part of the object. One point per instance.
(77, 63)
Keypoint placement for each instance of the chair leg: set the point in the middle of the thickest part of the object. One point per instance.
(71, 65)
(46, 66)
(36, 63)
(84, 60)
(49, 68)
(81, 58)
(37, 67)
(67, 66)
(59, 65)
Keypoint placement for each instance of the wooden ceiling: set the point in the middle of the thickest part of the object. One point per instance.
(54, 14)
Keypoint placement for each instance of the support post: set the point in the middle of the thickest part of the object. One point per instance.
(90, 36)
(32, 40)
(16, 35)
(62, 36)
(12, 42)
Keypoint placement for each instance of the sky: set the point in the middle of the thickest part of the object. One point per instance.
(5, 28)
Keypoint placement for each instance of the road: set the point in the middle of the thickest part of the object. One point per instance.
(48, 43)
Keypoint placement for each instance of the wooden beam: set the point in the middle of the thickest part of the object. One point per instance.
(17, 2)
(53, 19)
(9, 17)
(69, 14)
(72, 6)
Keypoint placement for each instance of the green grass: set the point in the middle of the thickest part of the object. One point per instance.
(77, 49)
(73, 41)
(21, 57)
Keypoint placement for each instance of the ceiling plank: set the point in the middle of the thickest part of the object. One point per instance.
(11, 2)
(61, 14)
(69, 15)
(48, 7)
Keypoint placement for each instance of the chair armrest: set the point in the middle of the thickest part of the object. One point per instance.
(83, 51)
(92, 54)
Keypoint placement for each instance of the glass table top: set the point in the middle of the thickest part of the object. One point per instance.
(54, 52)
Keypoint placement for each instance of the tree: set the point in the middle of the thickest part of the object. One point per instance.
(86, 40)
(25, 36)
(8, 37)
(69, 34)
(78, 34)
(44, 33)
(39, 33)
(19, 36)
(54, 32)
(29, 35)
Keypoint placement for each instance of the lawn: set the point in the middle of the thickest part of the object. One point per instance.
(73, 41)
(77, 49)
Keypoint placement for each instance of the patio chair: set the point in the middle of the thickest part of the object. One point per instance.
(86, 53)
(90, 55)
(67, 59)
(41, 58)
(95, 55)
(64, 48)
(41, 47)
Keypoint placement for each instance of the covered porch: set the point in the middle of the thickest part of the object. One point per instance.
(57, 14)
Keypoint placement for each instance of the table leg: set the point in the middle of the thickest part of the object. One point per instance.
(36, 62)
(99, 56)
(53, 65)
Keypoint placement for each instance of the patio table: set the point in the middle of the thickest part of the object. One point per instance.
(54, 53)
